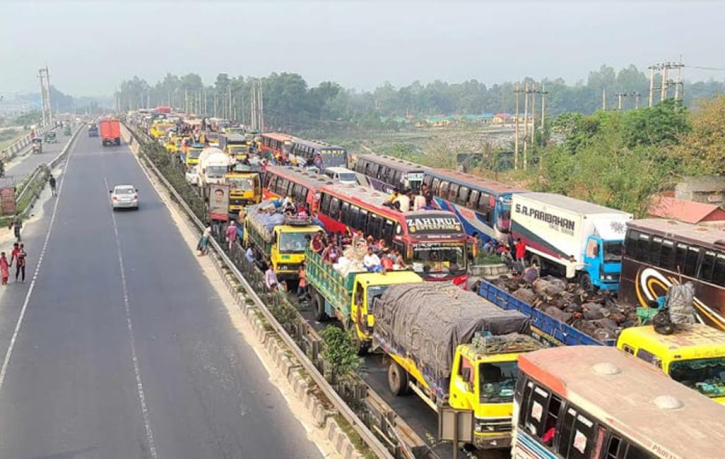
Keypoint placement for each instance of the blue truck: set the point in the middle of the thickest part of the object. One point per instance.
(549, 329)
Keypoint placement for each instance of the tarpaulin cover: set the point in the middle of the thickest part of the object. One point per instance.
(265, 222)
(680, 303)
(428, 321)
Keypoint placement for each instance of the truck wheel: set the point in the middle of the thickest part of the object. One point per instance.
(586, 282)
(318, 305)
(536, 261)
(397, 379)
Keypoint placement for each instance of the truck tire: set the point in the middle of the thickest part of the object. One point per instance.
(397, 379)
(318, 306)
(586, 282)
(537, 262)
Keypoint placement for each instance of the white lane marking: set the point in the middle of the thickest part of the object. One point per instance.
(21, 317)
(129, 325)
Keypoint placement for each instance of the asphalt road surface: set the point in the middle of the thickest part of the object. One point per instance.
(124, 349)
(28, 162)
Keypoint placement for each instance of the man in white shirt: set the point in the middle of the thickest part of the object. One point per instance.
(371, 262)
(571, 268)
(419, 202)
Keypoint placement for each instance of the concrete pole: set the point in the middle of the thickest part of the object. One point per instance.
(516, 128)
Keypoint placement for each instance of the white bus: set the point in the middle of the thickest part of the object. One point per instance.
(596, 402)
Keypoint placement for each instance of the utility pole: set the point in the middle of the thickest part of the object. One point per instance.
(679, 88)
(664, 87)
(544, 92)
(604, 99)
(44, 77)
(652, 87)
(636, 96)
(620, 96)
(534, 92)
(186, 101)
(516, 128)
(526, 121)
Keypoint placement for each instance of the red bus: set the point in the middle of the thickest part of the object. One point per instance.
(276, 143)
(280, 181)
(432, 242)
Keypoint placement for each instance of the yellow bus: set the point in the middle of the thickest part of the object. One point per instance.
(596, 402)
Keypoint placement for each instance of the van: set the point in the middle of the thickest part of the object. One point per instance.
(341, 175)
(693, 355)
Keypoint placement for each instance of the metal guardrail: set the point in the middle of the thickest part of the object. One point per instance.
(375, 445)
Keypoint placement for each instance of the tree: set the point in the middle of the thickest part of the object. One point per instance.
(701, 149)
(664, 124)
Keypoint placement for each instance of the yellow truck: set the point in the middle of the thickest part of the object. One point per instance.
(279, 241)
(456, 351)
(693, 355)
(245, 189)
(349, 297)
(158, 130)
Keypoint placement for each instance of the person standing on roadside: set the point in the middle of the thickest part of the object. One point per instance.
(51, 182)
(204, 241)
(20, 266)
(17, 225)
(4, 269)
(231, 234)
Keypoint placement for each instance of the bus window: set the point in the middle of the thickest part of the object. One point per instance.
(693, 257)
(325, 204)
(428, 180)
(334, 209)
(613, 448)
(642, 250)
(635, 452)
(443, 192)
(718, 276)
(362, 222)
(396, 180)
(269, 182)
(283, 186)
(345, 215)
(473, 199)
(462, 196)
(680, 256)
(434, 186)
(354, 215)
(666, 254)
(388, 231)
(654, 252)
(535, 414)
(582, 439)
(453, 192)
(375, 225)
(707, 265)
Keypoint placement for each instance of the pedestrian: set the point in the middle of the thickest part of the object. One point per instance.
(4, 269)
(20, 266)
(520, 250)
(231, 234)
(17, 225)
(249, 254)
(302, 294)
(51, 182)
(270, 279)
(204, 241)
(571, 269)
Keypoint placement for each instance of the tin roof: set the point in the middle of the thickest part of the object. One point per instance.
(684, 211)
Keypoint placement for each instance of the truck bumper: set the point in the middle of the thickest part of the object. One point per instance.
(492, 441)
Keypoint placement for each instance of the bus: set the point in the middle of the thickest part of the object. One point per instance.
(659, 253)
(308, 150)
(596, 402)
(484, 206)
(385, 173)
(432, 242)
(276, 144)
(305, 186)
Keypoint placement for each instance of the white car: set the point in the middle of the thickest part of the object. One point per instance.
(124, 197)
(192, 175)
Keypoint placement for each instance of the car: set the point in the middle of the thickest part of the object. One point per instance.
(192, 175)
(124, 197)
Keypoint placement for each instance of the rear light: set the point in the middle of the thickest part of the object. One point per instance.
(135, 196)
(115, 198)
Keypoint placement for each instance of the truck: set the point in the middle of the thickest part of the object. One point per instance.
(245, 188)
(555, 227)
(235, 145)
(110, 131)
(348, 296)
(92, 130)
(213, 164)
(457, 352)
(684, 355)
(279, 240)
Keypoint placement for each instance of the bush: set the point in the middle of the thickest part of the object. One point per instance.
(340, 354)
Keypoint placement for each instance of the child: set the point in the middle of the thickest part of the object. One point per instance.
(4, 268)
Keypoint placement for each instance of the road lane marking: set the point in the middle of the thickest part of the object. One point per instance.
(21, 317)
(129, 325)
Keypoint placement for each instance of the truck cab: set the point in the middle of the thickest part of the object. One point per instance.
(694, 355)
(245, 188)
(288, 247)
(602, 264)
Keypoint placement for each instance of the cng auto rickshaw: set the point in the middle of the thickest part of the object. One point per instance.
(37, 145)
(66, 131)
(50, 137)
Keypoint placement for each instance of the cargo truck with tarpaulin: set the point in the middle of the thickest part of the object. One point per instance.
(554, 227)
(456, 351)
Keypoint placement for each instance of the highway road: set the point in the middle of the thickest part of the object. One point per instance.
(28, 162)
(123, 349)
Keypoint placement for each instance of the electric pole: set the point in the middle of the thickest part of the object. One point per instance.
(543, 92)
(516, 128)
(664, 86)
(604, 99)
(636, 96)
(652, 87)
(526, 121)
(44, 77)
(620, 96)
(534, 92)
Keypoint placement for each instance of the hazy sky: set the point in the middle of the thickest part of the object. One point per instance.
(91, 46)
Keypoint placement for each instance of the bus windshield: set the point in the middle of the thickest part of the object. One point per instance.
(707, 376)
(292, 242)
(431, 258)
(216, 171)
(497, 381)
(612, 251)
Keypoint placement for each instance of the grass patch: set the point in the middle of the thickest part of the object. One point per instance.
(354, 437)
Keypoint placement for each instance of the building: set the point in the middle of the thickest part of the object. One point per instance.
(685, 211)
(708, 190)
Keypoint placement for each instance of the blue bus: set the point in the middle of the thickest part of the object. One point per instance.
(482, 205)
(384, 173)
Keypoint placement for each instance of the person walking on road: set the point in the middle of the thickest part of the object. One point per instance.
(20, 266)
(16, 224)
(51, 181)
(231, 234)
(204, 241)
(4, 269)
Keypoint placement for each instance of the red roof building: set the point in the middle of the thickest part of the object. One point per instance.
(685, 211)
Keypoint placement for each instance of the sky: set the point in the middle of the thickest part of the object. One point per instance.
(91, 46)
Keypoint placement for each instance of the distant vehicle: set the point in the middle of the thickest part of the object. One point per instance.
(110, 131)
(37, 145)
(50, 137)
(341, 175)
(192, 175)
(124, 197)
(92, 130)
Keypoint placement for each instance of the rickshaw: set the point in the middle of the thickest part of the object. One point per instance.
(50, 137)
(66, 131)
(37, 145)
